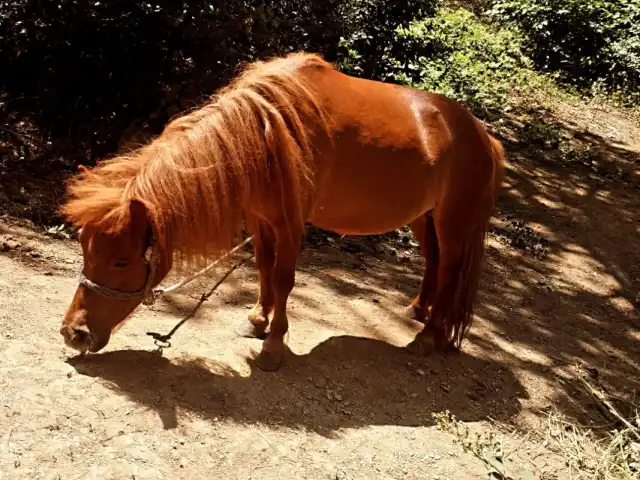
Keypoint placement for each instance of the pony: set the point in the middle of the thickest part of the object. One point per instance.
(290, 140)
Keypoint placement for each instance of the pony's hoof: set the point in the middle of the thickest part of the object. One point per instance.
(442, 343)
(269, 361)
(429, 340)
(415, 348)
(251, 330)
(425, 342)
(415, 313)
(270, 358)
(421, 346)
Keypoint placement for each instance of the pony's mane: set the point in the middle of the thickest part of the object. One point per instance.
(251, 142)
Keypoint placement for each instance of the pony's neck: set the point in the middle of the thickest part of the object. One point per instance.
(196, 179)
(248, 150)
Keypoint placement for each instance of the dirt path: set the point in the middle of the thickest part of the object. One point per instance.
(556, 302)
(333, 412)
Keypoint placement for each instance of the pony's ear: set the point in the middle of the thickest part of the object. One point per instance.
(138, 213)
(139, 221)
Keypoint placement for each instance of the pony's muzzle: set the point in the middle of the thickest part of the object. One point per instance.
(77, 337)
(76, 331)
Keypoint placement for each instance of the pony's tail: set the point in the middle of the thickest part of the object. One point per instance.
(466, 287)
(497, 151)
(459, 318)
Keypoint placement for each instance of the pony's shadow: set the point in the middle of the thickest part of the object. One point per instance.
(344, 382)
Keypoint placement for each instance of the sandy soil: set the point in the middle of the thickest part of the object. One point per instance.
(557, 301)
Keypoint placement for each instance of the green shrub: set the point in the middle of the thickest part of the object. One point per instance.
(455, 54)
(371, 30)
(585, 41)
(82, 72)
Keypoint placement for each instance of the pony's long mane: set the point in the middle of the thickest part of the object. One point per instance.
(252, 142)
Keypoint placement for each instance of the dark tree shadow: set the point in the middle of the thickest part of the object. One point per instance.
(343, 382)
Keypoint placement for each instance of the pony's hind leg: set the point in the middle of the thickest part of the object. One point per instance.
(264, 250)
(425, 232)
(288, 243)
(461, 234)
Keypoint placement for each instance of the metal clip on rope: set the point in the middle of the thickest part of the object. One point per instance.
(163, 341)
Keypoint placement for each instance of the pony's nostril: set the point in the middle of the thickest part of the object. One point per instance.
(81, 332)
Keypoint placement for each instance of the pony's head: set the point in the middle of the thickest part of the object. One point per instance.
(122, 263)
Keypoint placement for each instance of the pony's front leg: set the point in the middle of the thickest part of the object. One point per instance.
(288, 244)
(264, 250)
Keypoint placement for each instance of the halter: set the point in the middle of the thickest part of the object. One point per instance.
(148, 297)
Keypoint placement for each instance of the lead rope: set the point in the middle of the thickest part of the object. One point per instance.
(157, 292)
(163, 341)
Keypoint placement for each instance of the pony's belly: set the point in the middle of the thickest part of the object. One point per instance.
(350, 228)
(355, 210)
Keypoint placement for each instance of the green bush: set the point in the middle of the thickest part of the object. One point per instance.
(455, 54)
(82, 72)
(371, 31)
(585, 41)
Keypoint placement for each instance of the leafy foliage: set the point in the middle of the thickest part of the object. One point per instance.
(368, 40)
(455, 54)
(586, 41)
(85, 71)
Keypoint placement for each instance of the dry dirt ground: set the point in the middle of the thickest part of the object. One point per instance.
(558, 300)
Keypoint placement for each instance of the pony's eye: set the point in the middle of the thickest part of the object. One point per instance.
(123, 263)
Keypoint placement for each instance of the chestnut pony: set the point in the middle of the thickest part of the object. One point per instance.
(290, 140)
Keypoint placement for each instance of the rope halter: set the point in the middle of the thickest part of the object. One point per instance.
(148, 296)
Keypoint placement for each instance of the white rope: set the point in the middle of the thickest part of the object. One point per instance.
(162, 290)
